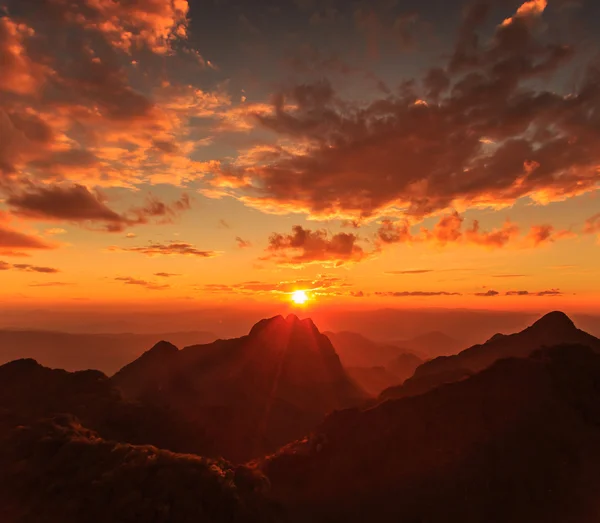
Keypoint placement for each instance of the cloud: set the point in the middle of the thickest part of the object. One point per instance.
(492, 293)
(551, 292)
(487, 136)
(52, 284)
(450, 230)
(142, 283)
(305, 246)
(12, 239)
(540, 234)
(173, 248)
(488, 294)
(592, 225)
(25, 267)
(20, 75)
(407, 294)
(78, 204)
(55, 231)
(322, 285)
(242, 244)
(509, 275)
(166, 275)
(411, 271)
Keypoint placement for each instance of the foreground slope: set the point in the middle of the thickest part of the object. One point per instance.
(29, 391)
(518, 442)
(57, 471)
(253, 394)
(554, 328)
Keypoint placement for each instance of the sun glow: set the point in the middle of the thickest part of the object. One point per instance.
(299, 297)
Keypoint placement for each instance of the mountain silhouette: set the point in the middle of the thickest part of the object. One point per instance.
(555, 328)
(518, 442)
(252, 394)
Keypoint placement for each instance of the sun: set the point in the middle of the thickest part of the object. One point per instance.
(299, 297)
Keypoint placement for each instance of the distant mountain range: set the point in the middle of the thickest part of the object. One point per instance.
(105, 352)
(373, 365)
(555, 328)
(508, 430)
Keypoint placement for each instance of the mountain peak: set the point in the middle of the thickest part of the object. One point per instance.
(163, 347)
(555, 321)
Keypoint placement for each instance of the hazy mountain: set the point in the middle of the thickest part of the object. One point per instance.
(431, 344)
(253, 393)
(373, 380)
(553, 329)
(57, 471)
(374, 366)
(518, 442)
(105, 352)
(29, 392)
(355, 350)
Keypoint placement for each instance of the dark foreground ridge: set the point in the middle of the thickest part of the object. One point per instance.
(518, 442)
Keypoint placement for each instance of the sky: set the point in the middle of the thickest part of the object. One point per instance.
(230, 152)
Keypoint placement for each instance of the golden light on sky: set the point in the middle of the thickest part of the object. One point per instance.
(299, 297)
(153, 166)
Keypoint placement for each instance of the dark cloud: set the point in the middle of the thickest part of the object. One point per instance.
(492, 293)
(33, 268)
(551, 292)
(411, 271)
(488, 294)
(52, 284)
(477, 134)
(78, 204)
(305, 246)
(403, 294)
(12, 239)
(173, 248)
(142, 283)
(166, 275)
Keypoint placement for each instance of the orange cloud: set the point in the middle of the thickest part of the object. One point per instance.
(142, 283)
(449, 230)
(20, 74)
(173, 248)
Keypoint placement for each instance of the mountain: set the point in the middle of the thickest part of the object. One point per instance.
(30, 392)
(73, 352)
(56, 470)
(252, 394)
(373, 380)
(357, 351)
(555, 328)
(518, 442)
(431, 344)
(374, 366)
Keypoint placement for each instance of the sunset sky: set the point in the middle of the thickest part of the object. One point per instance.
(384, 152)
